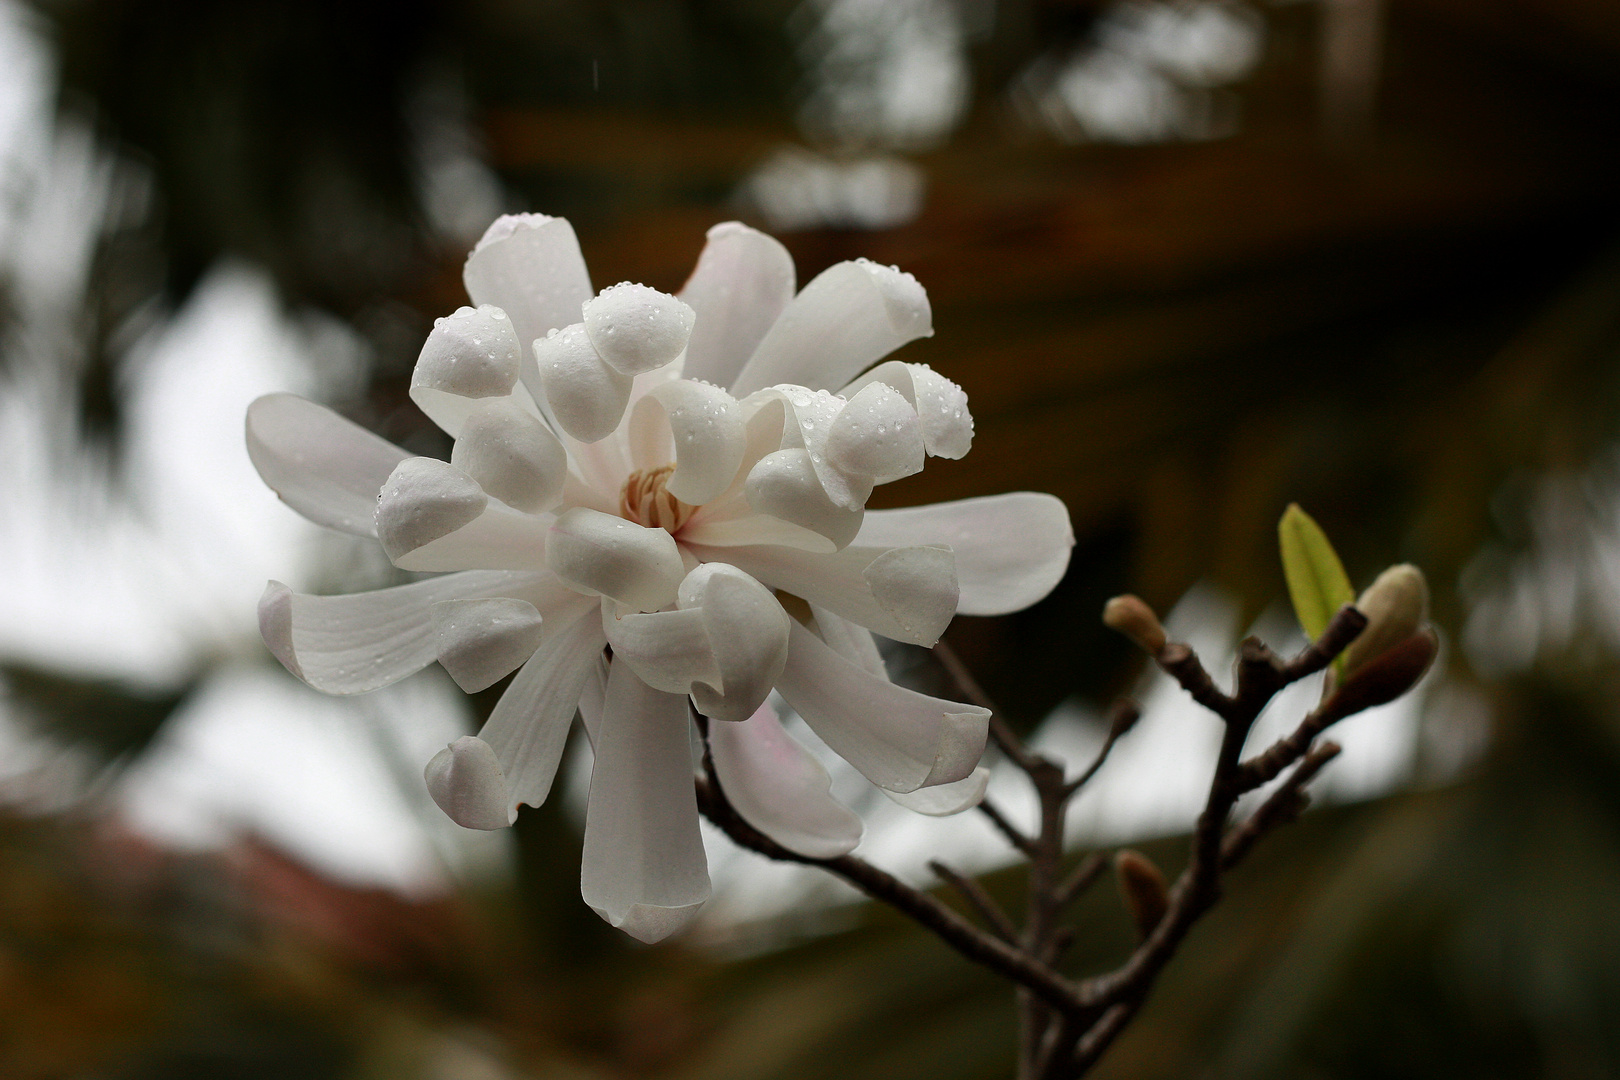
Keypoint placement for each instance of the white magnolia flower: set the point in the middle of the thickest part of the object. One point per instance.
(623, 533)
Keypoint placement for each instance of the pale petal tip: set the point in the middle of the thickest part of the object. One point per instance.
(650, 924)
(275, 625)
(425, 499)
(507, 224)
(466, 781)
(635, 328)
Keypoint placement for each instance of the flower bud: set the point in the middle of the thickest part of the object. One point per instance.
(1387, 676)
(1396, 606)
(1143, 889)
(1131, 616)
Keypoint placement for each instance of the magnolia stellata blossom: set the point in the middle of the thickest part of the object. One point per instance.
(642, 487)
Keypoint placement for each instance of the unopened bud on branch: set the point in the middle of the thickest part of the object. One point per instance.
(1142, 887)
(1386, 676)
(1131, 616)
(1396, 606)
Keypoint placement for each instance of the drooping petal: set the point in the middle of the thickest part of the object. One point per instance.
(748, 631)
(636, 328)
(585, 395)
(325, 467)
(943, 800)
(482, 641)
(608, 556)
(529, 726)
(466, 781)
(947, 425)
(780, 789)
(851, 315)
(705, 425)
(785, 486)
(470, 356)
(529, 266)
(850, 640)
(643, 868)
(1011, 550)
(351, 644)
(512, 455)
(739, 525)
(433, 516)
(906, 594)
(897, 738)
(878, 435)
(742, 282)
(668, 650)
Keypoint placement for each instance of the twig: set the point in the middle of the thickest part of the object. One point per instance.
(1280, 807)
(1089, 870)
(1121, 719)
(980, 900)
(1003, 736)
(1015, 836)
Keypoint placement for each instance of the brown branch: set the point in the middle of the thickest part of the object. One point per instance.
(1015, 836)
(1280, 807)
(1084, 875)
(1182, 664)
(980, 901)
(1345, 626)
(1122, 718)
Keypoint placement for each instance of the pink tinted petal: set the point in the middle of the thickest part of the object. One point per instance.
(943, 800)
(1011, 550)
(780, 789)
(897, 738)
(643, 868)
(325, 467)
(742, 282)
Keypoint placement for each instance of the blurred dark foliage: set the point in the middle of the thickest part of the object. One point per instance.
(1177, 340)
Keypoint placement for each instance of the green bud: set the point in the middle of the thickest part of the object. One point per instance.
(1396, 606)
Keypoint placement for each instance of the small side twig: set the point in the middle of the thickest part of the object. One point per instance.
(1084, 875)
(979, 900)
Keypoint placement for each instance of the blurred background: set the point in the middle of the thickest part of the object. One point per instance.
(1191, 260)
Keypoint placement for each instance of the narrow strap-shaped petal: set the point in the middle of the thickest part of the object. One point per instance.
(609, 556)
(470, 356)
(851, 315)
(643, 868)
(877, 435)
(907, 594)
(668, 650)
(433, 516)
(742, 282)
(584, 393)
(351, 644)
(512, 454)
(780, 789)
(325, 467)
(529, 726)
(850, 640)
(636, 328)
(481, 641)
(529, 266)
(947, 425)
(897, 738)
(465, 779)
(1011, 550)
(748, 631)
(705, 426)
(943, 800)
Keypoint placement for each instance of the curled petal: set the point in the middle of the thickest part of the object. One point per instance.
(325, 467)
(947, 425)
(604, 555)
(851, 315)
(668, 650)
(741, 526)
(351, 644)
(784, 485)
(850, 640)
(482, 641)
(1011, 550)
(780, 789)
(898, 739)
(465, 780)
(470, 356)
(530, 267)
(740, 285)
(877, 435)
(807, 421)
(943, 800)
(529, 726)
(706, 426)
(636, 328)
(433, 516)
(748, 631)
(585, 394)
(643, 868)
(512, 455)
(916, 587)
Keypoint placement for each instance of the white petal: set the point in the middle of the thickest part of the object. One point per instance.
(943, 800)
(643, 868)
(325, 467)
(433, 516)
(512, 455)
(897, 738)
(480, 642)
(609, 556)
(593, 697)
(878, 434)
(748, 631)
(947, 425)
(850, 640)
(668, 650)
(780, 789)
(351, 644)
(585, 394)
(530, 267)
(706, 426)
(529, 726)
(913, 588)
(636, 328)
(1011, 550)
(465, 780)
(851, 315)
(785, 485)
(742, 282)
(470, 355)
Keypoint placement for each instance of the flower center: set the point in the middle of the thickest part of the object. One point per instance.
(647, 502)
